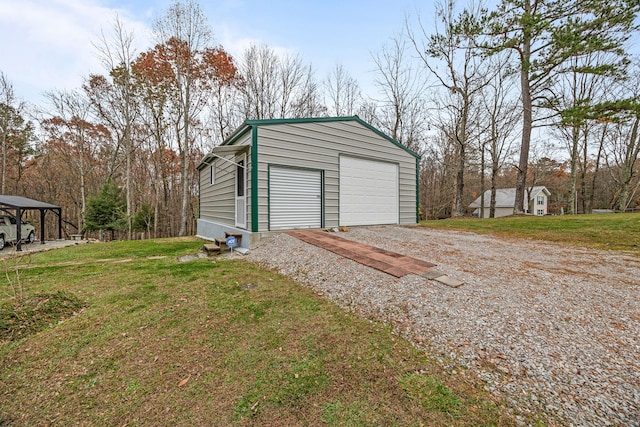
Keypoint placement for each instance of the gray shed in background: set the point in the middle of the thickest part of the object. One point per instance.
(290, 174)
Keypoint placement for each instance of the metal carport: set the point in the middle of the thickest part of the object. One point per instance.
(16, 205)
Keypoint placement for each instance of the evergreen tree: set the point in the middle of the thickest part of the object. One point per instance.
(144, 218)
(106, 210)
(546, 35)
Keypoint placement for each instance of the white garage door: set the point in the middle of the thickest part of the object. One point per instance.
(368, 192)
(295, 198)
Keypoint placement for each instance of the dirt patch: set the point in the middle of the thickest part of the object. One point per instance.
(22, 318)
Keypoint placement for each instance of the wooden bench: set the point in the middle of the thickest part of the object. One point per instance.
(76, 237)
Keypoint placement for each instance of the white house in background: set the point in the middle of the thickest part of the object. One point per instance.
(288, 174)
(536, 203)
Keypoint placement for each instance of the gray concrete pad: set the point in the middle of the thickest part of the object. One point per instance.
(37, 246)
(449, 281)
(432, 274)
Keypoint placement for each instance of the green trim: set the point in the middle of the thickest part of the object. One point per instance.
(239, 133)
(322, 195)
(357, 119)
(261, 122)
(254, 179)
(418, 191)
(269, 196)
(387, 137)
(253, 124)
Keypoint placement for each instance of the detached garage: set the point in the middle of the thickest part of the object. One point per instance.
(287, 174)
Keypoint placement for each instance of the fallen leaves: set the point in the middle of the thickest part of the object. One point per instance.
(184, 381)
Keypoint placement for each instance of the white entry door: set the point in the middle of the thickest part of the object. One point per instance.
(368, 192)
(241, 193)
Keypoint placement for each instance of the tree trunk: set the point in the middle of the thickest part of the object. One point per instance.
(128, 145)
(83, 193)
(597, 168)
(575, 136)
(586, 207)
(185, 166)
(527, 119)
(481, 182)
(4, 160)
(523, 163)
(494, 178)
(461, 140)
(628, 168)
(458, 207)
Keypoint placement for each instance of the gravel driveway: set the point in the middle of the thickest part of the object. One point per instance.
(551, 329)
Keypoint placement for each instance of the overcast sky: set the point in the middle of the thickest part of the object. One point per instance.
(49, 44)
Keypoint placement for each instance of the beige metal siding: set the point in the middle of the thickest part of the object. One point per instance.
(217, 201)
(318, 146)
(222, 191)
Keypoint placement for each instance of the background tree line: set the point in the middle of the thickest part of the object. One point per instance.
(528, 93)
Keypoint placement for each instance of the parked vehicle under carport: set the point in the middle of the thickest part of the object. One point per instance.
(15, 206)
(9, 231)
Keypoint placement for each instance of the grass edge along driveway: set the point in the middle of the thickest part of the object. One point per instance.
(158, 342)
(600, 231)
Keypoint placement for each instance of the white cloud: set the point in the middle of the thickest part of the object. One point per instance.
(49, 44)
(235, 41)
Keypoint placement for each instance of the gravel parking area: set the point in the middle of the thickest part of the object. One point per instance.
(551, 329)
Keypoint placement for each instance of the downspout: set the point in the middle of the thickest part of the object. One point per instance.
(417, 190)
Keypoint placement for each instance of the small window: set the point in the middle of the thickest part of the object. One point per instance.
(212, 171)
(240, 184)
(540, 200)
(540, 211)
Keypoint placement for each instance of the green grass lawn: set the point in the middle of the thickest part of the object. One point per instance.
(141, 339)
(613, 231)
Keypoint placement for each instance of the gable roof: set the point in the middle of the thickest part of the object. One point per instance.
(506, 197)
(250, 124)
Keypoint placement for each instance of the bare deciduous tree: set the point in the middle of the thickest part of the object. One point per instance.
(453, 46)
(400, 112)
(116, 101)
(15, 133)
(623, 145)
(501, 119)
(73, 137)
(185, 32)
(278, 86)
(343, 92)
